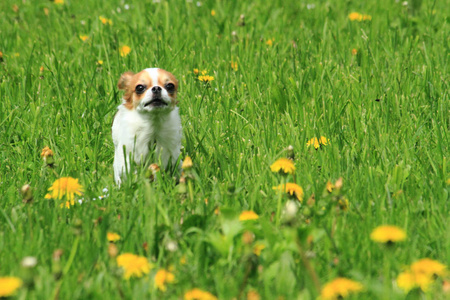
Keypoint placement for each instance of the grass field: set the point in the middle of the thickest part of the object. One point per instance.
(377, 88)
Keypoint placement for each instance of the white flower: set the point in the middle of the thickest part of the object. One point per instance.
(29, 262)
(291, 209)
(172, 246)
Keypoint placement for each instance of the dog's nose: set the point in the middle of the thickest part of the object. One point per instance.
(156, 89)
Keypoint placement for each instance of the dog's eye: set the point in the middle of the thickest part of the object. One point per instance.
(170, 87)
(140, 89)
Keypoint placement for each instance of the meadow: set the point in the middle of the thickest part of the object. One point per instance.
(370, 77)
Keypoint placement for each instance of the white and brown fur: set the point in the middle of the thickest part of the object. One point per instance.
(147, 119)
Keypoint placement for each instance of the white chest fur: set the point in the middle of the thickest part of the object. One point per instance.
(138, 132)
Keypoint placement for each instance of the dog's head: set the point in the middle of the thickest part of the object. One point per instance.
(151, 90)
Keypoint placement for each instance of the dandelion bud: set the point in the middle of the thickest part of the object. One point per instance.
(338, 184)
(241, 21)
(151, 172)
(290, 152)
(28, 263)
(56, 266)
(57, 254)
(187, 164)
(47, 155)
(27, 193)
(181, 187)
(112, 250)
(77, 226)
(248, 237)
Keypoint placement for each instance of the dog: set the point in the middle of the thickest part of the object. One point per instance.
(148, 118)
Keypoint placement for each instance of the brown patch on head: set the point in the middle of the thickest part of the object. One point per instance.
(124, 80)
(165, 77)
(128, 82)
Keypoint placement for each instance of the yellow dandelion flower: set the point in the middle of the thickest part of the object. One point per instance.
(248, 215)
(234, 65)
(187, 163)
(198, 294)
(292, 189)
(343, 204)
(206, 78)
(60, 2)
(421, 274)
(46, 11)
(41, 69)
(204, 72)
(388, 234)
(46, 152)
(162, 277)
(112, 237)
(354, 16)
(133, 265)
(423, 281)
(124, 51)
(65, 187)
(283, 165)
(330, 187)
(367, 17)
(269, 42)
(253, 295)
(67, 204)
(258, 248)
(1, 54)
(354, 51)
(9, 285)
(100, 62)
(183, 260)
(213, 12)
(406, 281)
(340, 288)
(84, 38)
(195, 71)
(318, 142)
(429, 267)
(105, 21)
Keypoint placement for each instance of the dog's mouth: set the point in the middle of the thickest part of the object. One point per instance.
(157, 102)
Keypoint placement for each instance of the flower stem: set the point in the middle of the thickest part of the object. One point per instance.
(387, 274)
(309, 267)
(73, 251)
(280, 197)
(191, 190)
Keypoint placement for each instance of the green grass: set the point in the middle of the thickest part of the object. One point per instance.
(393, 154)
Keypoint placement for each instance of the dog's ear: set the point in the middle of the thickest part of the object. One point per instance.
(124, 80)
